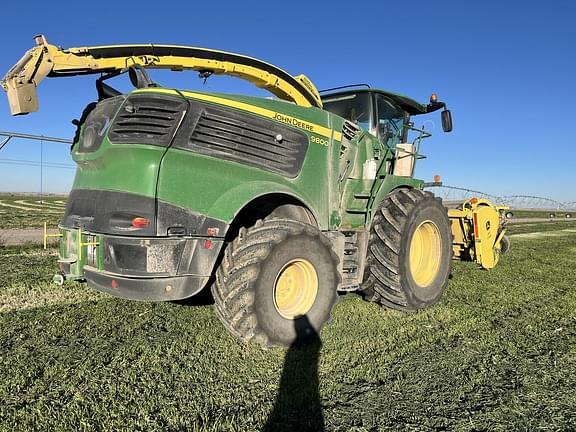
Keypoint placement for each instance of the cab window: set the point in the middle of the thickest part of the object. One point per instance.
(391, 120)
(355, 107)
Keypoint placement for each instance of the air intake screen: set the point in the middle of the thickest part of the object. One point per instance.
(247, 139)
(147, 119)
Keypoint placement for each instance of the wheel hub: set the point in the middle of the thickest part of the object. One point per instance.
(295, 289)
(425, 253)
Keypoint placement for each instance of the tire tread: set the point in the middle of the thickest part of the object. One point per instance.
(239, 269)
(382, 275)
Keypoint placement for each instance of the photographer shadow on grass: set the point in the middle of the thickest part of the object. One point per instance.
(297, 406)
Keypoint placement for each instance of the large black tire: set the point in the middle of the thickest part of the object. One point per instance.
(246, 287)
(405, 220)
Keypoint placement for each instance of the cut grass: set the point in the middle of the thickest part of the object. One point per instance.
(27, 212)
(498, 353)
(542, 213)
(25, 280)
(538, 227)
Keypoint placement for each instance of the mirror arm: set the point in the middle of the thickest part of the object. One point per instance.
(435, 106)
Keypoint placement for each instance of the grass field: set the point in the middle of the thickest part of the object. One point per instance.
(498, 353)
(543, 214)
(30, 211)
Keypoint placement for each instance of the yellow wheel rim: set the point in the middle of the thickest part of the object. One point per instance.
(425, 253)
(295, 289)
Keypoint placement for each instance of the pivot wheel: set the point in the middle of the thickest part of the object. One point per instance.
(504, 245)
(409, 251)
(277, 282)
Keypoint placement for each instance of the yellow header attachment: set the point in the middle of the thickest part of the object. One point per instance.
(49, 60)
(478, 232)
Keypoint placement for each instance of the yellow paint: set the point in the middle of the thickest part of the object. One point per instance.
(81, 244)
(482, 244)
(425, 253)
(45, 59)
(295, 289)
(280, 117)
(487, 244)
(47, 236)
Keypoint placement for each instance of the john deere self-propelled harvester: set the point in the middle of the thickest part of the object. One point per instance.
(276, 204)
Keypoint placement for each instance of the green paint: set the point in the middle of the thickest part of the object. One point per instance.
(337, 193)
(69, 248)
(119, 167)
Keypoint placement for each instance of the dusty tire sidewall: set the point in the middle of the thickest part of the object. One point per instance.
(426, 210)
(279, 329)
(504, 245)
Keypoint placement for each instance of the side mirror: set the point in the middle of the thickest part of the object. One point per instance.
(139, 77)
(446, 120)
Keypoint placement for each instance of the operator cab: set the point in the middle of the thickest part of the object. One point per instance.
(384, 114)
(372, 111)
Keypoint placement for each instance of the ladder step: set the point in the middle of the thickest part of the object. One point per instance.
(362, 195)
(350, 237)
(351, 264)
(351, 269)
(356, 210)
(348, 286)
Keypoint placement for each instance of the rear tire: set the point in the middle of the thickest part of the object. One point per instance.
(409, 251)
(276, 278)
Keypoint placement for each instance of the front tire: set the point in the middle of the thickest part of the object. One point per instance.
(276, 278)
(409, 251)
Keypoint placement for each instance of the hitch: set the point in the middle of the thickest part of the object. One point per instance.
(47, 236)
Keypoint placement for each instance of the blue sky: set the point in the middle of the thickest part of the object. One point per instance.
(505, 69)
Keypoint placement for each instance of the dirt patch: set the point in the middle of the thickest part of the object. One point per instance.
(529, 220)
(542, 234)
(11, 237)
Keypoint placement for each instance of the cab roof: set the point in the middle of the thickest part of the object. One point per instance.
(407, 104)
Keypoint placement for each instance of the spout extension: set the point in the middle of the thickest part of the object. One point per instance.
(22, 79)
(47, 60)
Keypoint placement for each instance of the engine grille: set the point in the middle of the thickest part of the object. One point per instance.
(147, 119)
(249, 140)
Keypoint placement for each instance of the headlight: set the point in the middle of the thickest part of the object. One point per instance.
(97, 124)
